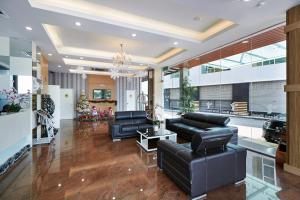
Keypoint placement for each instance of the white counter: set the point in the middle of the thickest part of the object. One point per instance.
(15, 133)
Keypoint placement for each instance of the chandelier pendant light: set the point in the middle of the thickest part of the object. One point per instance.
(121, 62)
(121, 59)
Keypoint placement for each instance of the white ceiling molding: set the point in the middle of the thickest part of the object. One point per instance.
(96, 12)
(77, 71)
(98, 65)
(75, 51)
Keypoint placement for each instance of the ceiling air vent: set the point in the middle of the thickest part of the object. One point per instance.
(3, 14)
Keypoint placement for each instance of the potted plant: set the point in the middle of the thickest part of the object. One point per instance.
(186, 100)
(156, 124)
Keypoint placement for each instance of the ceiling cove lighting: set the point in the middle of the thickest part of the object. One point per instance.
(100, 13)
(54, 36)
(105, 73)
(28, 28)
(99, 65)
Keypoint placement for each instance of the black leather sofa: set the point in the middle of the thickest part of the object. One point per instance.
(126, 123)
(206, 163)
(198, 123)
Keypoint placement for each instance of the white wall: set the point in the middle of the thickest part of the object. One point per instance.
(243, 74)
(16, 128)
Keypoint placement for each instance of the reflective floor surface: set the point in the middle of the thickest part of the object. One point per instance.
(84, 164)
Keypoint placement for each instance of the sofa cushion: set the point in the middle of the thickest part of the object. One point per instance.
(139, 114)
(188, 129)
(198, 124)
(208, 118)
(211, 141)
(144, 126)
(123, 115)
(139, 121)
(129, 128)
(124, 122)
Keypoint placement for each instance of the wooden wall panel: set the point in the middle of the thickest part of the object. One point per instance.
(293, 96)
(101, 82)
(44, 74)
(263, 39)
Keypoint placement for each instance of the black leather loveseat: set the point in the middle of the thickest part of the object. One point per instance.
(198, 123)
(126, 123)
(206, 163)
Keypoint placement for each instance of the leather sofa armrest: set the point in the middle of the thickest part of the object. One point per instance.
(114, 129)
(177, 151)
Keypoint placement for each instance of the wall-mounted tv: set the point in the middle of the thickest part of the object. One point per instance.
(101, 94)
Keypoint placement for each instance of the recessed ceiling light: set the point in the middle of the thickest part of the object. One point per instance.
(246, 0)
(28, 28)
(141, 64)
(77, 23)
(260, 4)
(38, 53)
(49, 54)
(245, 42)
(133, 35)
(59, 66)
(197, 18)
(67, 56)
(175, 43)
(81, 58)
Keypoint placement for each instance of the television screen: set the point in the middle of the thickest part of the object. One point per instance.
(102, 94)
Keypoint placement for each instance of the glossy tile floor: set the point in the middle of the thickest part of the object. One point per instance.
(83, 163)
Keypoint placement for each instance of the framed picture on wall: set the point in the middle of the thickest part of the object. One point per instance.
(101, 94)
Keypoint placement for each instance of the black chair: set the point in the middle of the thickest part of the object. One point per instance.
(198, 123)
(206, 163)
(126, 123)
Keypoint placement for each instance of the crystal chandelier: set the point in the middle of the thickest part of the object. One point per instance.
(121, 59)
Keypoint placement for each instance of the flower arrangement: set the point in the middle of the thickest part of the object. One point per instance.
(11, 98)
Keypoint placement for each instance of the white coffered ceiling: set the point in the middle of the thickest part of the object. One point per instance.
(196, 25)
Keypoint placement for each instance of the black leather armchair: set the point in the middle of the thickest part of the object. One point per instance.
(199, 123)
(206, 163)
(126, 123)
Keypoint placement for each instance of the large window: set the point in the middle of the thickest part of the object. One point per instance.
(247, 85)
